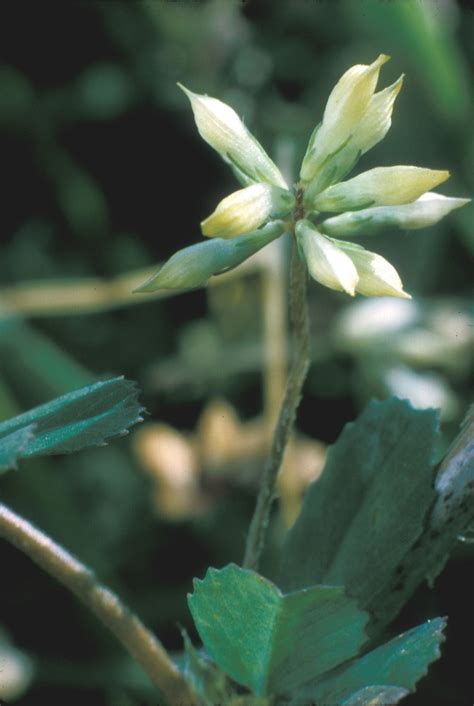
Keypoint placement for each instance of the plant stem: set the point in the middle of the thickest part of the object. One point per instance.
(287, 416)
(80, 580)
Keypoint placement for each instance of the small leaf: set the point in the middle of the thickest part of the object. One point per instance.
(270, 642)
(193, 266)
(86, 417)
(368, 508)
(402, 662)
(376, 696)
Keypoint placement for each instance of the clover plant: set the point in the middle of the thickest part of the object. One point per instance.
(385, 513)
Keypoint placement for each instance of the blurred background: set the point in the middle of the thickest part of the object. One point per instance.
(104, 177)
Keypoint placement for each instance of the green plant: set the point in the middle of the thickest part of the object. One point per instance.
(385, 514)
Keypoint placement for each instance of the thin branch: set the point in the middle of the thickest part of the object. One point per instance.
(287, 416)
(80, 580)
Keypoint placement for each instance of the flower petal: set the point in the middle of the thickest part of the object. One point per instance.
(327, 263)
(220, 126)
(377, 119)
(425, 211)
(372, 128)
(246, 209)
(377, 277)
(382, 186)
(346, 105)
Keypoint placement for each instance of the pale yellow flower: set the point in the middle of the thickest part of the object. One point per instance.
(355, 119)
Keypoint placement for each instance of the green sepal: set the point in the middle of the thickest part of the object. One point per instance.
(193, 266)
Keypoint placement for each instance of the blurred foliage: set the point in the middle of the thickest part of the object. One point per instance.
(104, 173)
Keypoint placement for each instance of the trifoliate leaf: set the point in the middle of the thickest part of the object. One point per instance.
(402, 662)
(85, 417)
(270, 642)
(193, 266)
(368, 508)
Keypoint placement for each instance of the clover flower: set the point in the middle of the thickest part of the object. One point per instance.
(323, 207)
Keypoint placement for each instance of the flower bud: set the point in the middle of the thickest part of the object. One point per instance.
(372, 128)
(384, 186)
(425, 211)
(326, 262)
(377, 277)
(246, 209)
(193, 266)
(346, 105)
(220, 126)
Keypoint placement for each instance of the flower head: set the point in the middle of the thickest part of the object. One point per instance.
(325, 205)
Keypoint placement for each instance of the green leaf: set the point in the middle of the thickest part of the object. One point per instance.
(402, 662)
(86, 417)
(363, 515)
(450, 517)
(193, 266)
(270, 642)
(376, 696)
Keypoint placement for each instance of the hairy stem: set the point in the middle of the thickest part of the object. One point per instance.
(287, 416)
(80, 580)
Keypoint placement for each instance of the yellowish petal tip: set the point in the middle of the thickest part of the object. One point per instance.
(399, 83)
(185, 90)
(205, 230)
(382, 59)
(461, 202)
